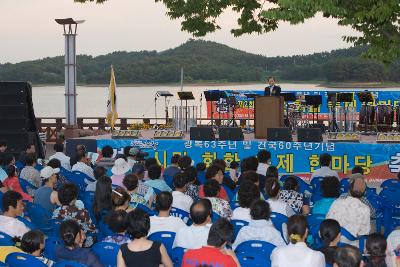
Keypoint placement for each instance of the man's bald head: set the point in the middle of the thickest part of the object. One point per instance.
(200, 211)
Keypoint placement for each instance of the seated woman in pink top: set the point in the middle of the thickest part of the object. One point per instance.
(12, 183)
(121, 167)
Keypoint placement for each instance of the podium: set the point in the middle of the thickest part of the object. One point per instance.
(268, 113)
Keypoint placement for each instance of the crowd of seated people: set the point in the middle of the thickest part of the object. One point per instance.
(210, 213)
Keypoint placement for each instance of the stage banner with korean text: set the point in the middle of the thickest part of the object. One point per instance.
(245, 106)
(380, 161)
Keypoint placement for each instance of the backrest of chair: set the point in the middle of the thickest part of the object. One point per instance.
(169, 180)
(177, 255)
(278, 221)
(390, 183)
(215, 217)
(255, 246)
(185, 216)
(316, 183)
(253, 260)
(107, 253)
(55, 227)
(201, 177)
(50, 247)
(6, 240)
(156, 191)
(391, 196)
(17, 259)
(83, 176)
(228, 192)
(344, 185)
(149, 211)
(27, 223)
(167, 238)
(347, 234)
(38, 215)
(25, 185)
(237, 225)
(69, 264)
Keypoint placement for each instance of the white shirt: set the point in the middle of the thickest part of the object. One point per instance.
(298, 255)
(393, 241)
(351, 214)
(262, 168)
(12, 226)
(181, 201)
(82, 167)
(261, 230)
(279, 206)
(192, 237)
(64, 159)
(242, 214)
(324, 172)
(168, 224)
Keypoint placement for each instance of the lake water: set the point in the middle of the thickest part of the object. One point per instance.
(135, 102)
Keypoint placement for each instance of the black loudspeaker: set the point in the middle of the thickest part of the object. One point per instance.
(231, 134)
(70, 145)
(202, 134)
(279, 134)
(309, 135)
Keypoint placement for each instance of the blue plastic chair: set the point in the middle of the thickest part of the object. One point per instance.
(390, 183)
(156, 191)
(19, 165)
(55, 227)
(344, 185)
(237, 225)
(255, 246)
(17, 259)
(169, 180)
(215, 217)
(50, 247)
(316, 183)
(201, 177)
(278, 220)
(228, 192)
(69, 264)
(149, 211)
(251, 259)
(167, 238)
(3, 264)
(185, 216)
(64, 172)
(39, 167)
(39, 216)
(177, 256)
(107, 253)
(234, 204)
(83, 176)
(391, 211)
(377, 203)
(104, 229)
(27, 223)
(25, 185)
(6, 240)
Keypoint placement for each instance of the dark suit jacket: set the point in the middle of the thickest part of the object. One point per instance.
(276, 91)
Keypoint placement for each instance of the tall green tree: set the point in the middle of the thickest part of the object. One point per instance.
(378, 21)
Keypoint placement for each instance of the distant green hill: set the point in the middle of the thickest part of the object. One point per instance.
(206, 61)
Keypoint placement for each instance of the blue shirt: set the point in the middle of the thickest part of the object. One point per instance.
(158, 184)
(322, 206)
(81, 255)
(171, 171)
(42, 197)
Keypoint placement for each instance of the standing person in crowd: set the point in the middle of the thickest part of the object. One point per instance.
(29, 173)
(146, 191)
(64, 159)
(46, 196)
(272, 89)
(219, 206)
(102, 203)
(164, 221)
(79, 150)
(291, 195)
(184, 162)
(348, 256)
(68, 195)
(376, 250)
(214, 172)
(330, 187)
(141, 251)
(272, 190)
(74, 237)
(29, 150)
(154, 172)
(117, 222)
(173, 169)
(325, 161)
(83, 165)
(215, 253)
(264, 161)
(297, 253)
(248, 192)
(12, 183)
(351, 213)
(33, 243)
(192, 187)
(329, 231)
(98, 172)
(180, 200)
(119, 170)
(195, 236)
(106, 160)
(260, 226)
(234, 171)
(12, 208)
(131, 183)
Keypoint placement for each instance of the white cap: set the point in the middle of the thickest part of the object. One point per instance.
(48, 171)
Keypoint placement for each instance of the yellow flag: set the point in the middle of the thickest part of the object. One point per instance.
(112, 114)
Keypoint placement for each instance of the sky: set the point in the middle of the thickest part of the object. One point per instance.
(28, 30)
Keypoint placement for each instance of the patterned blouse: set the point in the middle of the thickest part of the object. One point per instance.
(193, 191)
(221, 207)
(293, 198)
(117, 239)
(135, 197)
(80, 215)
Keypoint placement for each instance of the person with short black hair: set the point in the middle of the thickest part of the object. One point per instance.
(351, 213)
(12, 208)
(264, 161)
(184, 162)
(329, 232)
(220, 206)
(154, 173)
(46, 196)
(83, 165)
(67, 196)
(330, 187)
(195, 236)
(357, 169)
(149, 162)
(291, 195)
(32, 243)
(215, 253)
(247, 193)
(106, 160)
(234, 171)
(347, 256)
(131, 183)
(30, 149)
(192, 187)
(141, 251)
(12, 182)
(97, 172)
(216, 173)
(64, 159)
(74, 238)
(164, 221)
(325, 161)
(80, 149)
(376, 246)
(172, 169)
(180, 199)
(297, 253)
(260, 226)
(117, 221)
(30, 174)
(272, 189)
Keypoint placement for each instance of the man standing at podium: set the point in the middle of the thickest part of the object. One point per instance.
(272, 89)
